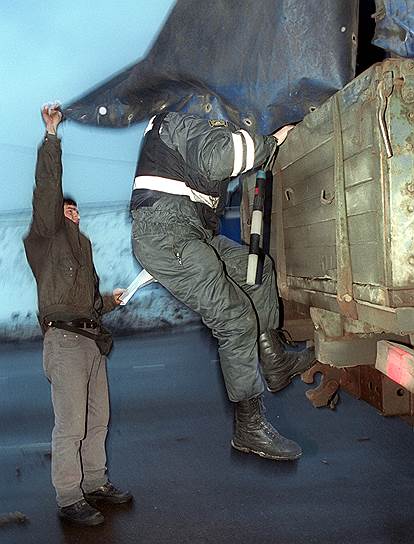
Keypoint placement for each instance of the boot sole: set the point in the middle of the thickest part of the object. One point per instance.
(285, 384)
(90, 523)
(266, 455)
(107, 500)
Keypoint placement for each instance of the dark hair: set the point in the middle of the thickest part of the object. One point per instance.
(69, 200)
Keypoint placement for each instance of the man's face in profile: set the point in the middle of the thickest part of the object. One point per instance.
(71, 212)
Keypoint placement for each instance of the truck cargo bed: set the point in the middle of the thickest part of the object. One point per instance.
(343, 202)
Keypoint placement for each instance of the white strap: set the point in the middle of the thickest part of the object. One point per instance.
(174, 187)
(257, 222)
(252, 262)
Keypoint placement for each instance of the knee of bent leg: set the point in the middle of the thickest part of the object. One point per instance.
(250, 323)
(243, 323)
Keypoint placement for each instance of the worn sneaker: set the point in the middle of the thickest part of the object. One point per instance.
(81, 513)
(109, 493)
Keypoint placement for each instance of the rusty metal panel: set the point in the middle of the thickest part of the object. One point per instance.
(387, 396)
(401, 180)
(344, 342)
(343, 202)
(345, 351)
(363, 382)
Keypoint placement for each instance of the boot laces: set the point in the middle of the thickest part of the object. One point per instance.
(268, 429)
(264, 424)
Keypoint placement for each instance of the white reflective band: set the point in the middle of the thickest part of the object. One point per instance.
(238, 153)
(150, 125)
(174, 187)
(250, 150)
(252, 262)
(256, 227)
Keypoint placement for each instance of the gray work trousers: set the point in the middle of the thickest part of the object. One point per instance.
(208, 274)
(77, 373)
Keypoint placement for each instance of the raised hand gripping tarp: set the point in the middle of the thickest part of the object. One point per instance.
(259, 63)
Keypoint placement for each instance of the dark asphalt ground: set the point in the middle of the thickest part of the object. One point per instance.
(169, 443)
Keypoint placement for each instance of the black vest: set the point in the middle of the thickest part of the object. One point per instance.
(157, 159)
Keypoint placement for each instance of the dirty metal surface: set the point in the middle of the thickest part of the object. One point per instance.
(344, 274)
(395, 320)
(343, 342)
(314, 225)
(362, 382)
(332, 378)
(296, 320)
(389, 397)
(299, 329)
(346, 351)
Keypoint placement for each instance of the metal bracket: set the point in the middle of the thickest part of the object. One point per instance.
(344, 289)
(326, 392)
(385, 88)
(281, 271)
(326, 200)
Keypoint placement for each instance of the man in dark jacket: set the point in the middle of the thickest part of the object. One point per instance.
(70, 311)
(179, 190)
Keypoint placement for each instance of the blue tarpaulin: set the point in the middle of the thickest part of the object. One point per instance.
(394, 26)
(262, 63)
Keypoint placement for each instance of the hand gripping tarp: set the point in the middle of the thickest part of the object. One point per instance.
(261, 63)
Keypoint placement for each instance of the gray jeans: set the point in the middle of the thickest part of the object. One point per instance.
(208, 274)
(77, 373)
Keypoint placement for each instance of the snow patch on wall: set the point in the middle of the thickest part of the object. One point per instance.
(108, 227)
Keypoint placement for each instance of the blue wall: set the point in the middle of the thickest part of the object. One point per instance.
(54, 51)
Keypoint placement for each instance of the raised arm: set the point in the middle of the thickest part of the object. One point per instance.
(48, 196)
(218, 149)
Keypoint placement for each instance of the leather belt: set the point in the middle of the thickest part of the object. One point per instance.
(78, 323)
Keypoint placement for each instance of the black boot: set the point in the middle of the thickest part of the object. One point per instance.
(254, 434)
(81, 513)
(280, 366)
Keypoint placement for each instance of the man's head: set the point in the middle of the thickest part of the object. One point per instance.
(70, 209)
